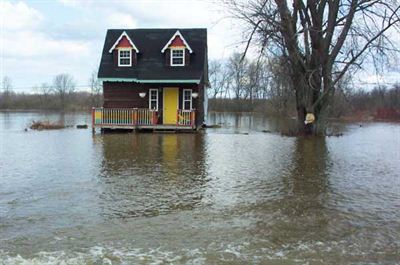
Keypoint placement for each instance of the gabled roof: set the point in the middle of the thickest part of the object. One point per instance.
(151, 63)
(119, 39)
(177, 34)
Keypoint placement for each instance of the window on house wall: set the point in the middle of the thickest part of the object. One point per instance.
(187, 99)
(124, 58)
(177, 57)
(153, 99)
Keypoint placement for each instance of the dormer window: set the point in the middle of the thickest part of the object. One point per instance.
(176, 48)
(124, 51)
(124, 57)
(177, 57)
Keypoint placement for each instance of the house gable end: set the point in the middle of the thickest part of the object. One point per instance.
(125, 42)
(177, 38)
(177, 42)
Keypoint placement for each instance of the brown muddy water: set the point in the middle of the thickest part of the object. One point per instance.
(233, 195)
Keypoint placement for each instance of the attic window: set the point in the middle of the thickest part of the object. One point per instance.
(177, 57)
(124, 57)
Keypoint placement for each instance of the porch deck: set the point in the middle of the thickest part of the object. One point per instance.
(139, 119)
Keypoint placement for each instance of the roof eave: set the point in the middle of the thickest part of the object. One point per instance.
(147, 81)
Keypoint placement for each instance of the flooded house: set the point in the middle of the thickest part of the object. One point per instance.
(153, 79)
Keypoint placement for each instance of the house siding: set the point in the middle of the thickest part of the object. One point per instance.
(126, 95)
(187, 57)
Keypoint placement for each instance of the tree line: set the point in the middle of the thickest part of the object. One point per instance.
(240, 84)
(264, 85)
(236, 84)
(60, 94)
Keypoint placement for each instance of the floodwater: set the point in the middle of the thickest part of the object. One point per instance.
(233, 195)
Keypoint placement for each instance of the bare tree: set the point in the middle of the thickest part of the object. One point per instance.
(6, 86)
(254, 75)
(322, 40)
(45, 90)
(238, 72)
(280, 90)
(215, 73)
(219, 78)
(264, 81)
(64, 86)
(95, 88)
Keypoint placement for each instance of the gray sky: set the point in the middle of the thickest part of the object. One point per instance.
(40, 39)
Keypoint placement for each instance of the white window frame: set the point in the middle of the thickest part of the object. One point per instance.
(130, 57)
(184, 100)
(183, 58)
(150, 99)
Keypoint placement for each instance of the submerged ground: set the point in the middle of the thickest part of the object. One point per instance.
(232, 195)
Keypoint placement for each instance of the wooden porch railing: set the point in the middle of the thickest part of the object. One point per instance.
(186, 117)
(123, 116)
(126, 117)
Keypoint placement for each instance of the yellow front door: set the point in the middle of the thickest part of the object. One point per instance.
(171, 95)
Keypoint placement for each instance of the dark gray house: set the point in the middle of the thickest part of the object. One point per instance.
(153, 79)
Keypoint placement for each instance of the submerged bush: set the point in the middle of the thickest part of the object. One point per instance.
(46, 125)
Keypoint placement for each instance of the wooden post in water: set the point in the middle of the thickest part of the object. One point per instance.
(93, 117)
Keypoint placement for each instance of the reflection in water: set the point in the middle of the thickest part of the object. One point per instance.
(247, 122)
(309, 174)
(6, 120)
(62, 118)
(169, 147)
(151, 174)
(307, 188)
(297, 216)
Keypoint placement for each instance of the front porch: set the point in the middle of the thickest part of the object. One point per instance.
(140, 119)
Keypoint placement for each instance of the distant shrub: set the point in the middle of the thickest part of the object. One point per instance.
(46, 125)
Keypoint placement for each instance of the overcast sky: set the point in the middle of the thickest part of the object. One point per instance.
(40, 39)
